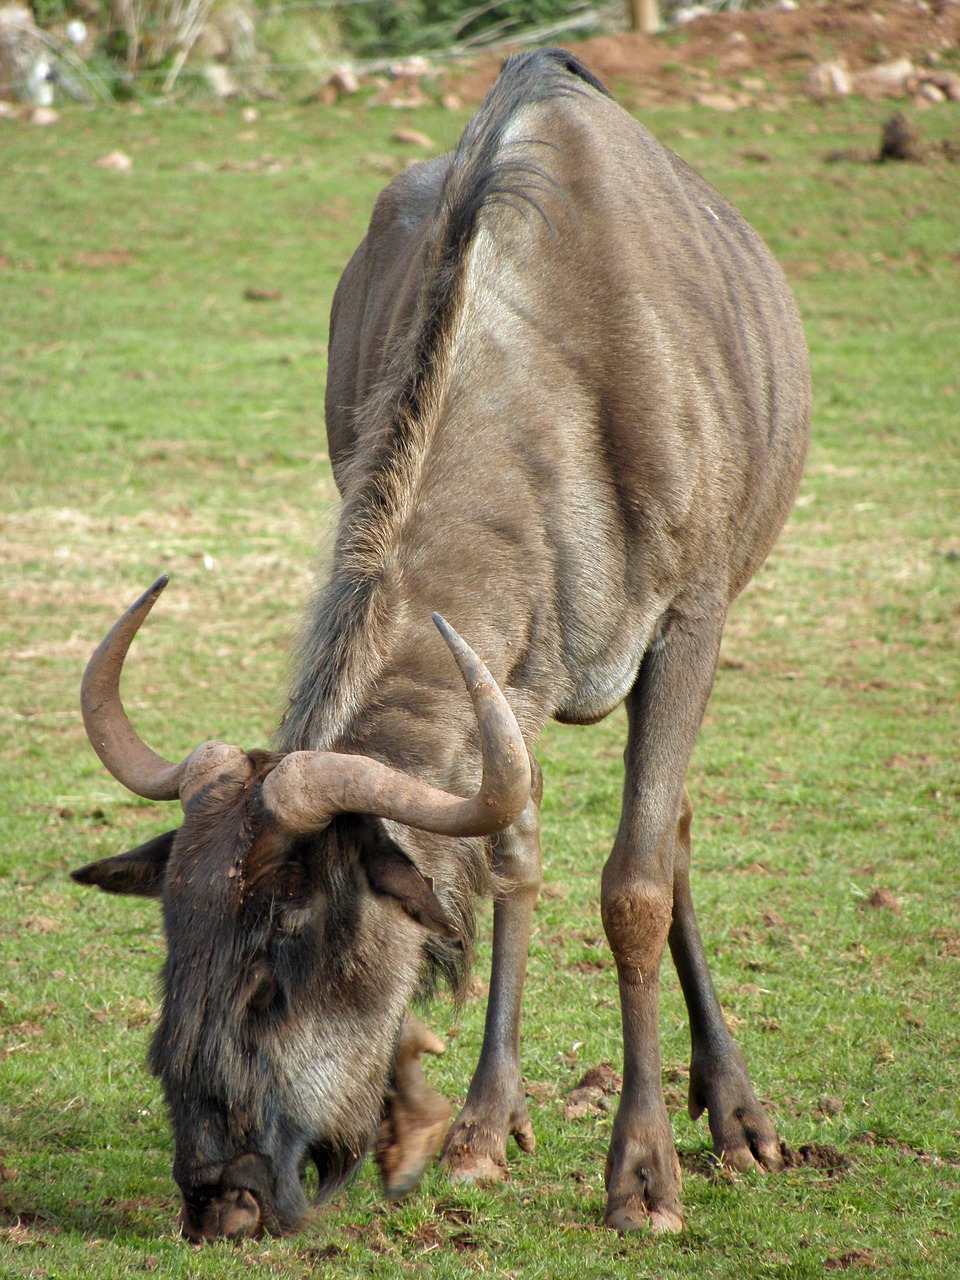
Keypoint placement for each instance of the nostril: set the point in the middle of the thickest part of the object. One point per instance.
(239, 1214)
(231, 1215)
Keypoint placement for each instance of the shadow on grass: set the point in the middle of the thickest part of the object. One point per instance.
(33, 1218)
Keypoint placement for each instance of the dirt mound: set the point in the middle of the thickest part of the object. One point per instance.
(763, 52)
(815, 1155)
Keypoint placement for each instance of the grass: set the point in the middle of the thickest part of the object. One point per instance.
(162, 361)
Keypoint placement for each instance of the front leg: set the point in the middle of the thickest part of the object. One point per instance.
(643, 1172)
(496, 1109)
(664, 711)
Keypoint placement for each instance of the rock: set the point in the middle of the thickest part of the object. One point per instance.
(689, 13)
(404, 95)
(928, 92)
(886, 80)
(44, 116)
(716, 101)
(412, 68)
(343, 82)
(946, 81)
(411, 138)
(828, 80)
(40, 83)
(118, 161)
(219, 81)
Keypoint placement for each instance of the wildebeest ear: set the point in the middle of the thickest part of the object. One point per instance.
(140, 871)
(391, 872)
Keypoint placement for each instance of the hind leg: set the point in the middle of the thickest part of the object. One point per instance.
(743, 1137)
(415, 1117)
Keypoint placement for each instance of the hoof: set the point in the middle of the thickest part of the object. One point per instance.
(635, 1216)
(475, 1170)
(407, 1143)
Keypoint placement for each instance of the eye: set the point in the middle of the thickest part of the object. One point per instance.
(262, 987)
(294, 920)
(300, 916)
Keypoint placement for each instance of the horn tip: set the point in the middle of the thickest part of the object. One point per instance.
(445, 629)
(151, 595)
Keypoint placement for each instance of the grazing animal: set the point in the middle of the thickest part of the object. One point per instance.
(567, 407)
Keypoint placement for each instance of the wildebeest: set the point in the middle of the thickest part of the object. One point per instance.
(567, 409)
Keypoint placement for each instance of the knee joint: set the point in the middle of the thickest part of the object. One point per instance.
(636, 919)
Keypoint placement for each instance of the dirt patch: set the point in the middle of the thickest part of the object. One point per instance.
(24, 1228)
(815, 1155)
(862, 1259)
(750, 57)
(949, 940)
(908, 1150)
(881, 900)
(595, 1094)
(97, 260)
(603, 1076)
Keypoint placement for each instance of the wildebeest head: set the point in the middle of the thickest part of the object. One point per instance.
(297, 931)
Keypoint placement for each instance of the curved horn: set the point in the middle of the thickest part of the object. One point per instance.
(112, 735)
(308, 788)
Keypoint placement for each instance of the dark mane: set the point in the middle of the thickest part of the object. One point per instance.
(483, 172)
(339, 646)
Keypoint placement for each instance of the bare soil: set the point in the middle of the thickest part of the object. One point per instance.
(765, 54)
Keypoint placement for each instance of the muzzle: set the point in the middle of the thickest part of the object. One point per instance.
(235, 1208)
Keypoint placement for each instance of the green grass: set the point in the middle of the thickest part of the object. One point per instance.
(155, 417)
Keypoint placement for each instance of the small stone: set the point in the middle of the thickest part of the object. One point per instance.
(411, 138)
(885, 80)
(118, 161)
(414, 67)
(219, 81)
(343, 81)
(828, 80)
(716, 101)
(931, 92)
